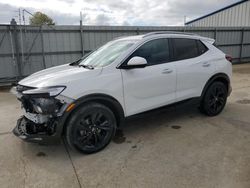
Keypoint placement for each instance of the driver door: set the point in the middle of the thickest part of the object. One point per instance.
(154, 85)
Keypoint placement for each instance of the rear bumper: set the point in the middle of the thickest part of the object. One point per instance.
(21, 131)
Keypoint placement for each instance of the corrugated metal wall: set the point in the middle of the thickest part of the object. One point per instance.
(30, 49)
(237, 16)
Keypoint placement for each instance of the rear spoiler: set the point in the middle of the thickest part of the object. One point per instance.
(209, 40)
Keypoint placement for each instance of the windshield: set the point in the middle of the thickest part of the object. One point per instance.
(107, 54)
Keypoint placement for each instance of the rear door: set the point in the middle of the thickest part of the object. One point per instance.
(193, 66)
(152, 86)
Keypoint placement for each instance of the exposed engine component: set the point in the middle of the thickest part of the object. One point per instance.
(49, 105)
(41, 110)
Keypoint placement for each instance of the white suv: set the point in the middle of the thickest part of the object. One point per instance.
(87, 100)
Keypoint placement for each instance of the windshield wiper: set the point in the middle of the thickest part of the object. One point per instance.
(74, 63)
(86, 66)
(77, 62)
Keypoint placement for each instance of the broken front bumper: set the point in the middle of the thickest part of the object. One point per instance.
(31, 132)
(43, 119)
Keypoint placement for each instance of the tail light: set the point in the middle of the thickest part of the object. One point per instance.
(229, 58)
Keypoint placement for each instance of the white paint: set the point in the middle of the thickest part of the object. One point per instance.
(139, 89)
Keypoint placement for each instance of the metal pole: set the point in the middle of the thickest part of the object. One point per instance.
(241, 44)
(81, 32)
(23, 17)
(215, 35)
(16, 46)
(42, 42)
(137, 31)
(21, 34)
(1, 41)
(13, 53)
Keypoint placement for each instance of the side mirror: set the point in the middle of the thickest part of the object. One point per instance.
(136, 62)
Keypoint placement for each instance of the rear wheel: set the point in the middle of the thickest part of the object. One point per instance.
(91, 128)
(214, 99)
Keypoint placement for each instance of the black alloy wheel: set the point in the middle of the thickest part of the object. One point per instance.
(214, 99)
(91, 128)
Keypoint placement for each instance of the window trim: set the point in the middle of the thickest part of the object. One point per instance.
(199, 49)
(121, 65)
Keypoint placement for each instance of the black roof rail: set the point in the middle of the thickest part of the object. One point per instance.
(167, 32)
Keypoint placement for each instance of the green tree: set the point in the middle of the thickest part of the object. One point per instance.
(40, 18)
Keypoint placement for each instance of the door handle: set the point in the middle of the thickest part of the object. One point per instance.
(167, 71)
(206, 64)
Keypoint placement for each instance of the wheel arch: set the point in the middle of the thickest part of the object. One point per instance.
(222, 77)
(104, 99)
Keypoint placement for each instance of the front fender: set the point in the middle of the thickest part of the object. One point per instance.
(107, 100)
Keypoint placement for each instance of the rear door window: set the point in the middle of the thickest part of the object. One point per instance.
(185, 48)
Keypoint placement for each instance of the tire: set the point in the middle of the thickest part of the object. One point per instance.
(215, 99)
(91, 128)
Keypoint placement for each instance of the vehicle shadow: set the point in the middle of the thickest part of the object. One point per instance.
(168, 116)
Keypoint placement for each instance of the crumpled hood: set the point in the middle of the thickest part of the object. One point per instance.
(59, 75)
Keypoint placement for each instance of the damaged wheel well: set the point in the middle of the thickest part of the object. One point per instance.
(106, 100)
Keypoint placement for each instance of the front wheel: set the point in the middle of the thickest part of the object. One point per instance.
(214, 99)
(91, 128)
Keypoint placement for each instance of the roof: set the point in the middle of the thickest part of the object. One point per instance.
(166, 34)
(227, 7)
(132, 37)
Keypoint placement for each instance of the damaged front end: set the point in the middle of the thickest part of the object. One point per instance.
(43, 109)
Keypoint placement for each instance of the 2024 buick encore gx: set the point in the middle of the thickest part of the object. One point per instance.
(87, 100)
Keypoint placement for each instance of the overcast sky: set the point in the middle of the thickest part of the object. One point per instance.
(114, 12)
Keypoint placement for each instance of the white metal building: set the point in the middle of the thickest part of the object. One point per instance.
(235, 15)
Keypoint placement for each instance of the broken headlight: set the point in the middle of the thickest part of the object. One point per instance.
(42, 100)
(46, 105)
